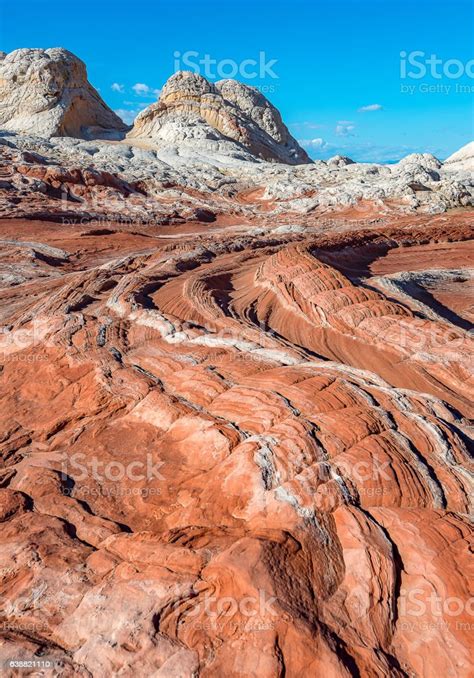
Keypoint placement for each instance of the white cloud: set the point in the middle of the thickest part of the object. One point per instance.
(318, 144)
(141, 88)
(370, 107)
(116, 87)
(345, 128)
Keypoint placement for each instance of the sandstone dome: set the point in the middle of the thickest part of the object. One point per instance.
(228, 113)
(45, 92)
(464, 158)
(427, 160)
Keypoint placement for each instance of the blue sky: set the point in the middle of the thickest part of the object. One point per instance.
(333, 67)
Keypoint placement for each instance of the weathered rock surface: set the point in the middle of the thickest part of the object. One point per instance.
(234, 454)
(121, 180)
(235, 402)
(45, 92)
(227, 117)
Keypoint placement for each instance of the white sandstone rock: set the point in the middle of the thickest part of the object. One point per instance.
(462, 159)
(45, 92)
(228, 117)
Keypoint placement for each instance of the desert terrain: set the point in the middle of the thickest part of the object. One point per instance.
(236, 392)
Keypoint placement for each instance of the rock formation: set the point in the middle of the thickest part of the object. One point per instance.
(462, 159)
(129, 179)
(224, 456)
(45, 92)
(235, 401)
(340, 161)
(192, 110)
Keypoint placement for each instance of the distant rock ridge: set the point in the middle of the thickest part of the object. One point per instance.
(191, 109)
(45, 92)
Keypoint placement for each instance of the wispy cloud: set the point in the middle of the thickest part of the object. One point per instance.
(117, 87)
(345, 128)
(370, 107)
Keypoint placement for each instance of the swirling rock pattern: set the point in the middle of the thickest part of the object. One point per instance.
(235, 394)
(233, 454)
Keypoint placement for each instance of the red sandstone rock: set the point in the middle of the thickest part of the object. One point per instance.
(235, 455)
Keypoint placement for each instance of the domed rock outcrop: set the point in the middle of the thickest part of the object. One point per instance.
(45, 92)
(340, 161)
(462, 159)
(192, 109)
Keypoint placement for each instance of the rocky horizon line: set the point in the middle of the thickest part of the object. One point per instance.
(225, 105)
